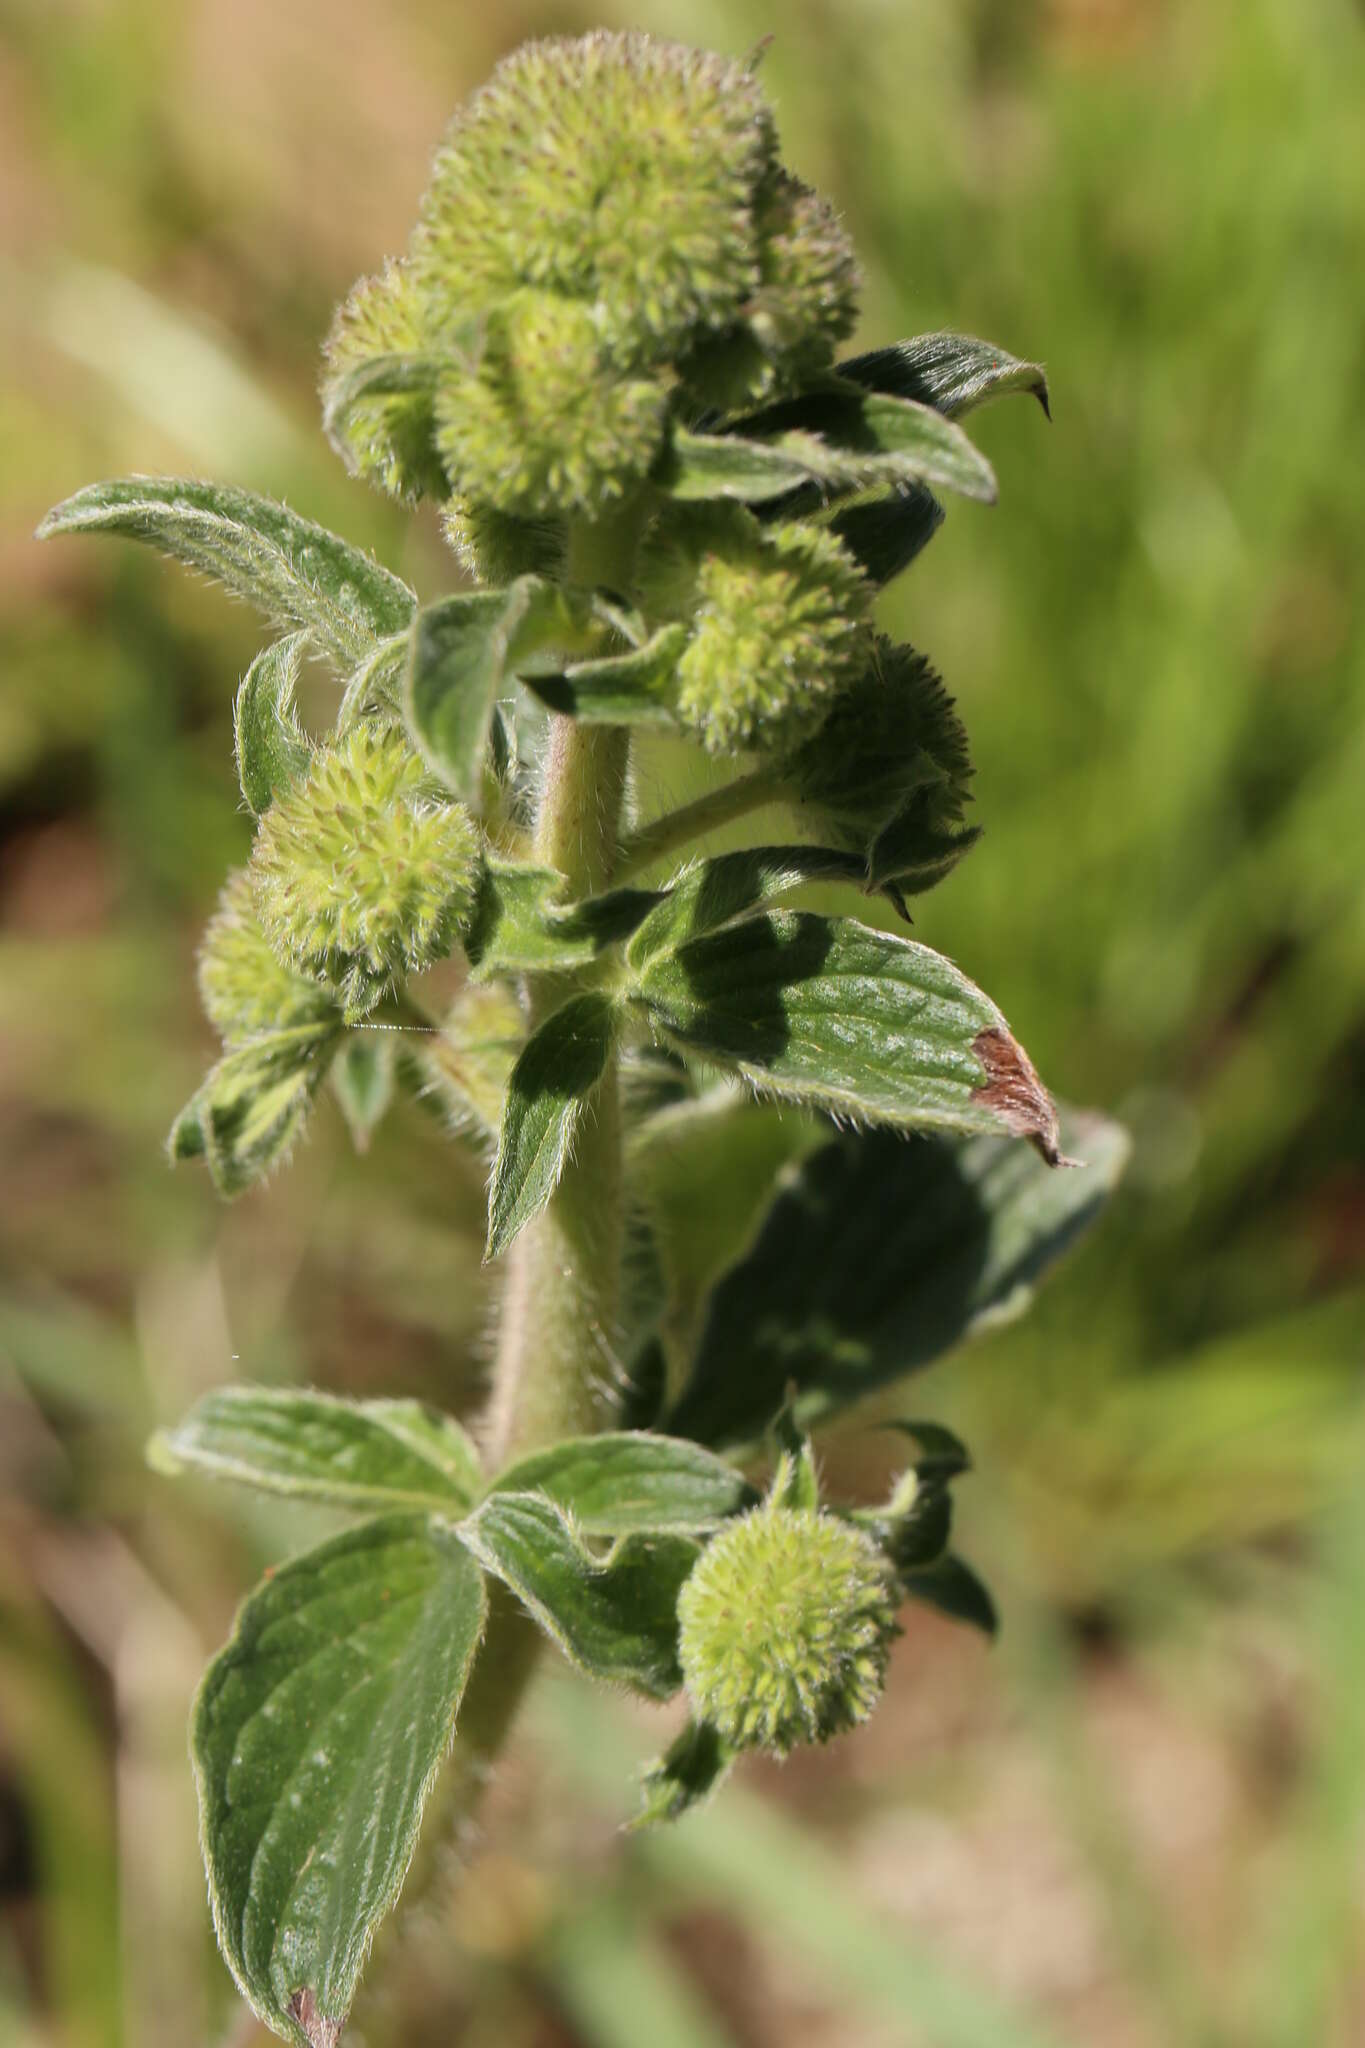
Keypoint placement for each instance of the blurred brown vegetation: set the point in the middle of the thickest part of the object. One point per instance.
(1141, 1820)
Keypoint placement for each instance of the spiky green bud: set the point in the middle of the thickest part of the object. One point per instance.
(362, 871)
(544, 424)
(889, 769)
(805, 303)
(244, 985)
(617, 170)
(778, 626)
(391, 437)
(785, 1628)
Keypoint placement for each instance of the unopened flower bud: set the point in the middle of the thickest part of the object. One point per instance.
(785, 1628)
(244, 985)
(363, 871)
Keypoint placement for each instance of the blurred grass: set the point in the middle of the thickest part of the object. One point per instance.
(1140, 1822)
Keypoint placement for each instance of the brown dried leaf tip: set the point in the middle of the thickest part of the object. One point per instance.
(1013, 1092)
(321, 2032)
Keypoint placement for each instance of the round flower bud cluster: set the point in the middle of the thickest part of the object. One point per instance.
(785, 1628)
(244, 985)
(607, 233)
(362, 872)
(778, 624)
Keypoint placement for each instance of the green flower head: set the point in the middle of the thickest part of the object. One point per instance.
(785, 1628)
(778, 627)
(543, 423)
(362, 872)
(616, 170)
(607, 232)
(244, 986)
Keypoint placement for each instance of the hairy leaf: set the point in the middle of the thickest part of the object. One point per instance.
(877, 1257)
(715, 892)
(357, 1454)
(520, 925)
(853, 437)
(248, 1112)
(297, 573)
(687, 1773)
(951, 372)
(464, 650)
(272, 752)
(375, 690)
(632, 1482)
(699, 466)
(362, 1081)
(635, 688)
(557, 1070)
(316, 1736)
(614, 1615)
(852, 1020)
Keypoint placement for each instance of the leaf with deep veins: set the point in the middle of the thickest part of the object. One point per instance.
(357, 1454)
(297, 573)
(316, 1736)
(849, 1019)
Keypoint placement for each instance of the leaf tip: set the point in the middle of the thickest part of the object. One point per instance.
(316, 2028)
(1013, 1092)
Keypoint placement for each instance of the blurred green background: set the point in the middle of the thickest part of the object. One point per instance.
(1140, 1821)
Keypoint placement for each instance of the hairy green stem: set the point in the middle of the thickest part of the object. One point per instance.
(707, 813)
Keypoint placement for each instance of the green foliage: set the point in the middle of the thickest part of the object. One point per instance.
(609, 353)
(316, 1736)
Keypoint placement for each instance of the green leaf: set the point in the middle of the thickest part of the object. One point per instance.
(795, 1482)
(615, 1615)
(940, 1455)
(362, 1080)
(463, 652)
(632, 1483)
(715, 892)
(316, 1736)
(875, 1259)
(357, 1454)
(297, 573)
(634, 688)
(557, 1070)
(699, 466)
(951, 372)
(852, 438)
(687, 1773)
(836, 1014)
(248, 1112)
(520, 925)
(271, 750)
(463, 1069)
(365, 390)
(375, 690)
(953, 1588)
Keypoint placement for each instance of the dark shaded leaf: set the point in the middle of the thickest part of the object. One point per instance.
(362, 1080)
(556, 1072)
(635, 688)
(687, 1773)
(953, 1588)
(715, 892)
(875, 1259)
